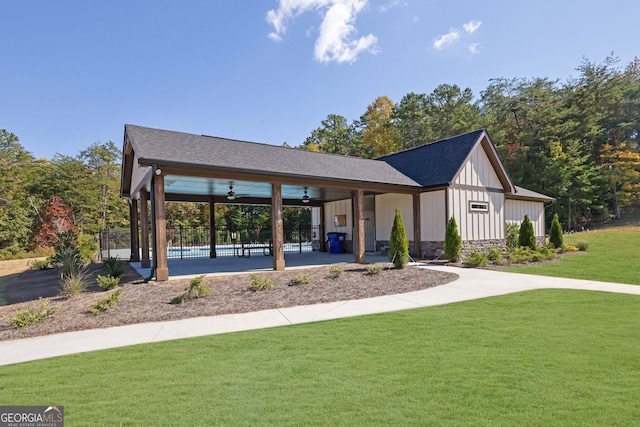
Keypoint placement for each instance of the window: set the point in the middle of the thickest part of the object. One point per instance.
(340, 221)
(479, 206)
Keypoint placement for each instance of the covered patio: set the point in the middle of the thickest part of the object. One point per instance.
(160, 166)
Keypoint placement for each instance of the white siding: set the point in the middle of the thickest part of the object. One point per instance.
(517, 209)
(340, 207)
(386, 205)
(478, 171)
(138, 173)
(474, 225)
(433, 216)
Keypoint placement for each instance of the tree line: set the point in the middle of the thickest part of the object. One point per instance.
(577, 140)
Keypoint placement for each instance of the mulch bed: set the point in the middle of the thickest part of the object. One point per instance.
(149, 302)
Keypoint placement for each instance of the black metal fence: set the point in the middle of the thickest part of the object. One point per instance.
(194, 242)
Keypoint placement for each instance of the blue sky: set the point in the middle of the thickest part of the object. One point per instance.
(75, 71)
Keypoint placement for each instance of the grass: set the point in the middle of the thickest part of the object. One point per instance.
(548, 357)
(612, 257)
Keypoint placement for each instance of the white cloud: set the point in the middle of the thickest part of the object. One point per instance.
(471, 26)
(446, 39)
(391, 4)
(334, 42)
(474, 48)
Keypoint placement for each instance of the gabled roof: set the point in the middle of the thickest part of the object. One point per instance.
(524, 194)
(178, 149)
(436, 164)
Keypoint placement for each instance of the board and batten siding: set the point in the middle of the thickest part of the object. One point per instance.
(386, 205)
(477, 181)
(433, 222)
(340, 207)
(517, 209)
(138, 173)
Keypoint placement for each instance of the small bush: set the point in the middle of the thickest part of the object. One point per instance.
(106, 303)
(512, 232)
(196, 290)
(398, 244)
(107, 283)
(476, 259)
(259, 283)
(527, 237)
(569, 248)
(583, 246)
(113, 266)
(555, 235)
(74, 282)
(374, 269)
(87, 248)
(300, 279)
(335, 272)
(39, 264)
(31, 316)
(452, 241)
(494, 255)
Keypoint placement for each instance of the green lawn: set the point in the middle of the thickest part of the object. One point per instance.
(613, 256)
(549, 357)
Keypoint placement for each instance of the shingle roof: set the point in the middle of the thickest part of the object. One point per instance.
(163, 147)
(437, 163)
(524, 194)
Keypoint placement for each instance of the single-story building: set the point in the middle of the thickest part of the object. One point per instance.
(460, 176)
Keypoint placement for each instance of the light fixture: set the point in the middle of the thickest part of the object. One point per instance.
(231, 195)
(305, 199)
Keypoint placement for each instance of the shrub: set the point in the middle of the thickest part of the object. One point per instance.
(113, 266)
(374, 269)
(300, 279)
(555, 235)
(87, 247)
(452, 241)
(398, 244)
(335, 272)
(196, 290)
(74, 282)
(31, 316)
(569, 248)
(107, 283)
(526, 237)
(512, 230)
(39, 264)
(583, 246)
(259, 283)
(65, 246)
(494, 255)
(106, 303)
(476, 259)
(73, 275)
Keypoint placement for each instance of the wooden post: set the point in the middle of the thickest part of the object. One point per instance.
(359, 227)
(134, 229)
(417, 233)
(277, 229)
(144, 228)
(162, 269)
(212, 228)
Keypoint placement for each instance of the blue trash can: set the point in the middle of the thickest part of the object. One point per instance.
(336, 242)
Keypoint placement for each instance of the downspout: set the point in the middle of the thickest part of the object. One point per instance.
(154, 252)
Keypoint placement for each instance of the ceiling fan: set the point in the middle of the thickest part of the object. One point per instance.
(232, 195)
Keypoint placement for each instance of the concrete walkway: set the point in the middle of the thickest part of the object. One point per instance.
(472, 284)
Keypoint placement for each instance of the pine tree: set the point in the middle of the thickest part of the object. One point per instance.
(452, 241)
(527, 236)
(555, 236)
(398, 245)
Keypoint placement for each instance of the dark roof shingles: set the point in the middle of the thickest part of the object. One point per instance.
(163, 146)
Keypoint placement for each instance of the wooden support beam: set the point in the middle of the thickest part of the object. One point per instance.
(417, 233)
(135, 231)
(160, 251)
(144, 228)
(212, 228)
(358, 231)
(277, 228)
